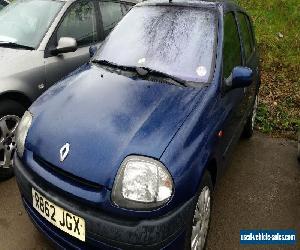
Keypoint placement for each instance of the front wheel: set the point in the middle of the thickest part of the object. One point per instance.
(200, 216)
(10, 114)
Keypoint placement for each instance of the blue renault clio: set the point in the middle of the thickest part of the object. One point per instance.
(124, 152)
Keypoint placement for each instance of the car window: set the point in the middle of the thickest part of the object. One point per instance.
(251, 32)
(246, 34)
(178, 41)
(80, 23)
(232, 47)
(111, 13)
(26, 22)
(125, 7)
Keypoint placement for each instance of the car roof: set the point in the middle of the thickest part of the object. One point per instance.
(226, 4)
(123, 1)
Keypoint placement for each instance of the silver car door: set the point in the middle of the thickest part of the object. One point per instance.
(79, 22)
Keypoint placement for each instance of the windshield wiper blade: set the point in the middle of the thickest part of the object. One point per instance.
(15, 45)
(147, 71)
(113, 65)
(142, 71)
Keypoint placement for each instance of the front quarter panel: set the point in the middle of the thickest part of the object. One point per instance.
(188, 153)
(25, 75)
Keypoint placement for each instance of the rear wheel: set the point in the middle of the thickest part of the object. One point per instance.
(10, 114)
(249, 127)
(200, 215)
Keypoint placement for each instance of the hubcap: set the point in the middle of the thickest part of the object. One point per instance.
(8, 126)
(201, 220)
(254, 112)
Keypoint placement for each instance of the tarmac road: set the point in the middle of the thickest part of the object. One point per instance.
(259, 190)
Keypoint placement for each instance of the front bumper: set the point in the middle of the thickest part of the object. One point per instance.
(102, 230)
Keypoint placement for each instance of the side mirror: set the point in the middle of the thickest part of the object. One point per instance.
(65, 45)
(240, 77)
(92, 50)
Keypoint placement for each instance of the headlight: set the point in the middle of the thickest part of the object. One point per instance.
(22, 131)
(142, 183)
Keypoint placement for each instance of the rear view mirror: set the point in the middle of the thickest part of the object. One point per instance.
(240, 77)
(65, 45)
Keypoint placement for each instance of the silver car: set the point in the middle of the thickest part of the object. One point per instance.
(41, 41)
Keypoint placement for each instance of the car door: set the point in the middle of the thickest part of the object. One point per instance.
(232, 101)
(250, 57)
(79, 22)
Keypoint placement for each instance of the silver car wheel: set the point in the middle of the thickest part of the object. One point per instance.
(201, 220)
(8, 126)
(254, 112)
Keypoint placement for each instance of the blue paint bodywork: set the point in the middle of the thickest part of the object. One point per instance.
(106, 117)
(124, 117)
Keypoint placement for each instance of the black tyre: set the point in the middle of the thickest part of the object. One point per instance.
(199, 217)
(249, 126)
(10, 115)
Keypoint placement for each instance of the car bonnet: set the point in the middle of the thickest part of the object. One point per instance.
(104, 117)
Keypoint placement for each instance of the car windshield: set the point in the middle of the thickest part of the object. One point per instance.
(175, 40)
(25, 22)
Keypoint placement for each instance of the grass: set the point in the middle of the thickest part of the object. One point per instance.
(277, 26)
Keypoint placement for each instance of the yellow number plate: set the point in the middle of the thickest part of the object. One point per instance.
(64, 220)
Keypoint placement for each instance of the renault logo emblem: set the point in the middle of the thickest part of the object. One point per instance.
(64, 151)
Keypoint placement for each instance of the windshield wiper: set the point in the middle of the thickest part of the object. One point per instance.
(113, 65)
(15, 45)
(142, 71)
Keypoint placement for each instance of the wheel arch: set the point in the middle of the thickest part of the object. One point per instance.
(16, 96)
(212, 168)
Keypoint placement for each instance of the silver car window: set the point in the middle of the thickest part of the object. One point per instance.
(26, 21)
(80, 23)
(111, 13)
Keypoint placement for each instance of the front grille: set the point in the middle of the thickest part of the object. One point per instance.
(61, 173)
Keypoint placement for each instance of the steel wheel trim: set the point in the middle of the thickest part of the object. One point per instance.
(8, 126)
(201, 220)
(254, 112)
